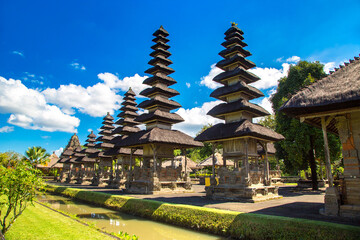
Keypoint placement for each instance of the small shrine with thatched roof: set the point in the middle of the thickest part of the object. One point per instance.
(88, 163)
(239, 136)
(125, 157)
(105, 162)
(65, 157)
(158, 140)
(333, 104)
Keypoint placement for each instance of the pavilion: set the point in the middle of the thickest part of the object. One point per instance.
(333, 104)
(239, 136)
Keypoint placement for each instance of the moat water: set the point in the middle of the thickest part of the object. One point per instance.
(114, 221)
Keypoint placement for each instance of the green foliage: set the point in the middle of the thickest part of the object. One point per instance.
(299, 137)
(10, 159)
(37, 155)
(269, 122)
(18, 186)
(227, 223)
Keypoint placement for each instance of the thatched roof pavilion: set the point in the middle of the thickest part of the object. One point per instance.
(53, 160)
(208, 162)
(332, 103)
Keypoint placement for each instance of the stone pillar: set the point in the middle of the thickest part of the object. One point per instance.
(266, 166)
(247, 170)
(213, 160)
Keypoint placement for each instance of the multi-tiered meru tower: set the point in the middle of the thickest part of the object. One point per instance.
(126, 126)
(158, 141)
(239, 136)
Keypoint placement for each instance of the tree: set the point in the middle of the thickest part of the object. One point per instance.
(303, 143)
(37, 155)
(18, 186)
(269, 122)
(9, 159)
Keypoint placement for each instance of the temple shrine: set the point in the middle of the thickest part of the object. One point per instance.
(158, 140)
(239, 136)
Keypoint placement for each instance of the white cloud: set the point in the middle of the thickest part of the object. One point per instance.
(135, 82)
(18, 53)
(89, 130)
(78, 66)
(195, 118)
(293, 59)
(94, 100)
(59, 151)
(29, 109)
(188, 85)
(6, 129)
(280, 59)
(208, 79)
(269, 76)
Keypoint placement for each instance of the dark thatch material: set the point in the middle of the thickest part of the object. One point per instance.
(90, 150)
(161, 116)
(159, 89)
(105, 138)
(128, 108)
(232, 35)
(244, 128)
(129, 102)
(337, 91)
(239, 105)
(160, 45)
(91, 135)
(160, 60)
(123, 152)
(270, 149)
(159, 78)
(246, 76)
(126, 121)
(235, 49)
(160, 51)
(104, 145)
(234, 41)
(234, 29)
(129, 97)
(107, 127)
(105, 133)
(236, 59)
(127, 114)
(126, 130)
(160, 68)
(158, 135)
(161, 31)
(160, 38)
(248, 90)
(108, 117)
(159, 101)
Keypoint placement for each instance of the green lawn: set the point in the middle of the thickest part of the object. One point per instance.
(39, 222)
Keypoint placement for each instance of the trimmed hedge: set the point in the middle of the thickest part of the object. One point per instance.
(221, 222)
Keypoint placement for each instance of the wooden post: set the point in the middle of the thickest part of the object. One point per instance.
(154, 156)
(247, 170)
(224, 161)
(131, 155)
(185, 161)
(267, 167)
(213, 160)
(327, 153)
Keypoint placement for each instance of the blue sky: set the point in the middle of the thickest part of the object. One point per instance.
(64, 64)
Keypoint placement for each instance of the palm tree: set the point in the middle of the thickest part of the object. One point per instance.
(37, 155)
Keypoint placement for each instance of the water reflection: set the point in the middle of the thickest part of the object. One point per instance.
(113, 221)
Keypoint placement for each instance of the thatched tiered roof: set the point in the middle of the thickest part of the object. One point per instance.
(159, 105)
(90, 149)
(338, 91)
(106, 135)
(69, 149)
(237, 111)
(127, 125)
(159, 119)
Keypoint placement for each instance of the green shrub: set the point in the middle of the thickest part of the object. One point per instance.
(221, 222)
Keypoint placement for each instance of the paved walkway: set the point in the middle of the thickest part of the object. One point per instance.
(295, 202)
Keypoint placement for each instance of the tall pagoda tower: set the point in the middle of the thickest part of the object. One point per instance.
(158, 141)
(105, 161)
(239, 135)
(126, 126)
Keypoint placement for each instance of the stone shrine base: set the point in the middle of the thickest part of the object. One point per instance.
(159, 187)
(242, 193)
